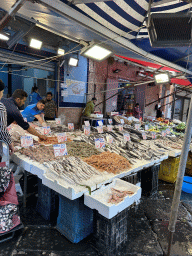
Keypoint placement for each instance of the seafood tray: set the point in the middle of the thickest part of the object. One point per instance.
(99, 199)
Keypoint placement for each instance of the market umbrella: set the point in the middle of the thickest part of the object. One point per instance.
(180, 176)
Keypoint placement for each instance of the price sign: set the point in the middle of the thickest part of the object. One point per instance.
(26, 141)
(99, 143)
(100, 129)
(87, 123)
(61, 137)
(126, 137)
(153, 135)
(146, 127)
(137, 126)
(58, 120)
(168, 131)
(120, 126)
(71, 126)
(100, 123)
(109, 139)
(144, 136)
(87, 130)
(163, 133)
(60, 150)
(109, 128)
(122, 121)
(46, 130)
(110, 121)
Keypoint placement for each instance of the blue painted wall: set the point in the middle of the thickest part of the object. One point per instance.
(4, 78)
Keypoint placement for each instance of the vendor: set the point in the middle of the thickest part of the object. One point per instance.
(4, 134)
(137, 112)
(159, 112)
(34, 111)
(13, 114)
(50, 109)
(90, 106)
(34, 97)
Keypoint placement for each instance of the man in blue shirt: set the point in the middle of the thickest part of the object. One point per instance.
(34, 111)
(34, 97)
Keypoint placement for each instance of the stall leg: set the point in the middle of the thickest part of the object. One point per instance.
(25, 189)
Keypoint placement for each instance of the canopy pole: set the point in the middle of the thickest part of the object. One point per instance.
(179, 182)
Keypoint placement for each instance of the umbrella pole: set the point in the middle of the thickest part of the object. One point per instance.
(179, 182)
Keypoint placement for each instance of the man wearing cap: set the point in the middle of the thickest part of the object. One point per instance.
(90, 106)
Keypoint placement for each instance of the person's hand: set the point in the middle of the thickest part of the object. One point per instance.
(11, 148)
(42, 137)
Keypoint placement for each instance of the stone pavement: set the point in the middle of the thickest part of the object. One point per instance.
(147, 231)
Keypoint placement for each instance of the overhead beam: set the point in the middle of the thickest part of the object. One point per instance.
(155, 4)
(18, 4)
(86, 1)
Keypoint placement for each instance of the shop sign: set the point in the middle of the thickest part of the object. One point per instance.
(153, 135)
(100, 123)
(99, 143)
(46, 130)
(58, 120)
(144, 136)
(71, 126)
(163, 133)
(120, 126)
(126, 137)
(100, 129)
(168, 131)
(109, 139)
(137, 126)
(60, 150)
(61, 137)
(122, 121)
(87, 123)
(146, 127)
(26, 141)
(109, 128)
(110, 121)
(87, 130)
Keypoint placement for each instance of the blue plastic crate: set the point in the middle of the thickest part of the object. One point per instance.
(187, 184)
(46, 203)
(75, 220)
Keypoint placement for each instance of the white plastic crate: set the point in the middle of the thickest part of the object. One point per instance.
(99, 199)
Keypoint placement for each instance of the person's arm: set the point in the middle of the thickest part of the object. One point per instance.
(34, 132)
(41, 121)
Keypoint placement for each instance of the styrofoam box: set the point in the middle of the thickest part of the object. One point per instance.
(99, 199)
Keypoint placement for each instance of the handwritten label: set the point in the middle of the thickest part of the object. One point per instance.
(26, 141)
(109, 128)
(58, 120)
(110, 121)
(137, 126)
(71, 126)
(163, 133)
(60, 150)
(99, 143)
(146, 127)
(109, 139)
(100, 123)
(153, 135)
(100, 129)
(87, 130)
(46, 130)
(126, 137)
(168, 131)
(144, 136)
(120, 126)
(122, 121)
(61, 137)
(87, 123)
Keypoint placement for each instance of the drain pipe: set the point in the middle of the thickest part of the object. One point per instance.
(179, 182)
(18, 4)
